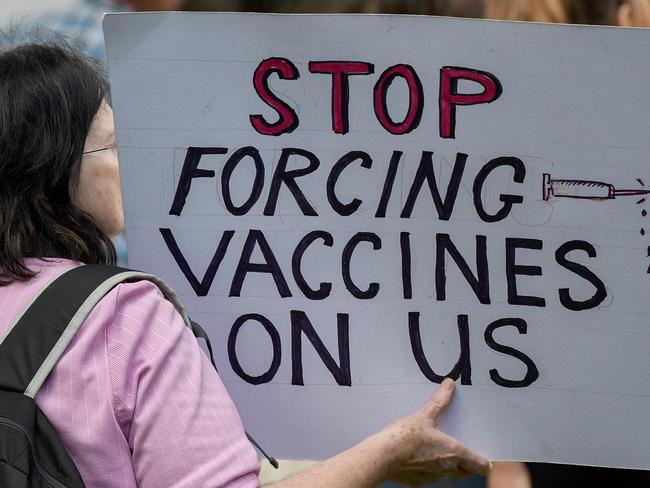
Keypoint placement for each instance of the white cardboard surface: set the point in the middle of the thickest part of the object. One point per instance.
(574, 105)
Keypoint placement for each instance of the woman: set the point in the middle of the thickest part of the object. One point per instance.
(134, 399)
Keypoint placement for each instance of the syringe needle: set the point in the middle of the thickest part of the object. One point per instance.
(624, 193)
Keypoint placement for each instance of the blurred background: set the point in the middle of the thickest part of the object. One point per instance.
(81, 21)
(609, 12)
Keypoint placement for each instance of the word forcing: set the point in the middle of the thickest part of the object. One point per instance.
(283, 177)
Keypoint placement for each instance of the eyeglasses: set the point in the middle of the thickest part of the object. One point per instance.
(113, 146)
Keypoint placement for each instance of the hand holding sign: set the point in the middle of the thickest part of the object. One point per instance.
(411, 451)
(433, 453)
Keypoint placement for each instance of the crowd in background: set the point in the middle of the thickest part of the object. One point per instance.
(82, 21)
(83, 18)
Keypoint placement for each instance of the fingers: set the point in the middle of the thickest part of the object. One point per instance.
(472, 461)
(440, 399)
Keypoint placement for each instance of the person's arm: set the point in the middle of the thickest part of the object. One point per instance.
(180, 423)
(184, 431)
(411, 451)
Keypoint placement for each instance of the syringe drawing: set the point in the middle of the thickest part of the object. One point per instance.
(592, 190)
(583, 189)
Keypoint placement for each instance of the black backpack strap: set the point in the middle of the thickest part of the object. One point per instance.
(37, 338)
(199, 333)
(40, 335)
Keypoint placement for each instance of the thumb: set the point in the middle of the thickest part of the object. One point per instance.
(440, 399)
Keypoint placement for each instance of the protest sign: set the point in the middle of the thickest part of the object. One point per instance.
(355, 207)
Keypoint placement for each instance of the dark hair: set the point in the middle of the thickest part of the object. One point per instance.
(49, 94)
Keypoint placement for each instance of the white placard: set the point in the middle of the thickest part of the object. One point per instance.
(346, 203)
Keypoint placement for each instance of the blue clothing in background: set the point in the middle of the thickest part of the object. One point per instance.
(82, 23)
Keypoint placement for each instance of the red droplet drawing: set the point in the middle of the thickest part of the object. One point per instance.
(583, 189)
(591, 190)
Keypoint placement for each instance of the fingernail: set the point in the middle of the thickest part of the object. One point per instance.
(448, 383)
(490, 466)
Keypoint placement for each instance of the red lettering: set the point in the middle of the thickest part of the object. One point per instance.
(416, 99)
(288, 120)
(340, 70)
(449, 96)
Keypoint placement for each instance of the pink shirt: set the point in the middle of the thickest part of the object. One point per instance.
(134, 399)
